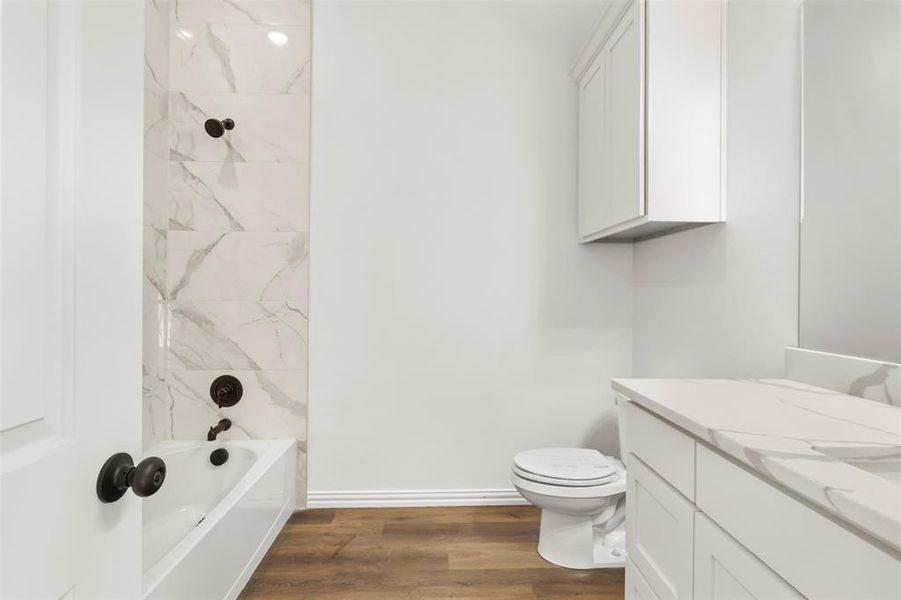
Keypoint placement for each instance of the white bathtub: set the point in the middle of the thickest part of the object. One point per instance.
(208, 527)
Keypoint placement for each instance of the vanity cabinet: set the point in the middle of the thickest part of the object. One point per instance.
(650, 111)
(700, 526)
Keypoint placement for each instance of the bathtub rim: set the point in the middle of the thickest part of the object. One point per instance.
(268, 452)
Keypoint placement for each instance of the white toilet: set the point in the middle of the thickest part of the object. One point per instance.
(582, 497)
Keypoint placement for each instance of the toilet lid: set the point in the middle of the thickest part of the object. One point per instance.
(565, 466)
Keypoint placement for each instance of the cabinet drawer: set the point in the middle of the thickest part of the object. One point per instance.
(724, 570)
(659, 532)
(662, 447)
(637, 587)
(815, 554)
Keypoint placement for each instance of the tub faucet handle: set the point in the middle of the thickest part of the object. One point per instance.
(226, 390)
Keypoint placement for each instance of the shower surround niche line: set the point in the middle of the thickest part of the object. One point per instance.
(226, 250)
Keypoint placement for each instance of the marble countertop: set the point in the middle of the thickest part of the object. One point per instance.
(796, 434)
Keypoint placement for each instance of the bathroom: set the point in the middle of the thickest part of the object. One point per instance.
(450, 299)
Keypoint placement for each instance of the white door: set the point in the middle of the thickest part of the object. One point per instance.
(70, 294)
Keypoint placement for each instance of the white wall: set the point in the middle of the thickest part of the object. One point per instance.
(851, 237)
(454, 318)
(721, 301)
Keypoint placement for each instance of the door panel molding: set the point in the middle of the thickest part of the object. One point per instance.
(38, 407)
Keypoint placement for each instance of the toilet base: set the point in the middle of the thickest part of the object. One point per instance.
(571, 542)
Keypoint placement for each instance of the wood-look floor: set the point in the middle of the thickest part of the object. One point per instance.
(419, 553)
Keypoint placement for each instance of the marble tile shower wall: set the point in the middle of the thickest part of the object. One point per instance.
(231, 257)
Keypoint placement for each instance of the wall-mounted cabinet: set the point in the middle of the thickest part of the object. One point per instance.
(650, 120)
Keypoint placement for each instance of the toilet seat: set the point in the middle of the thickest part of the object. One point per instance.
(567, 467)
(563, 482)
(617, 485)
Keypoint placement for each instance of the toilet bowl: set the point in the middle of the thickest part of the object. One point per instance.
(581, 494)
(582, 497)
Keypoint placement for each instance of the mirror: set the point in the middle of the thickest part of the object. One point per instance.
(850, 263)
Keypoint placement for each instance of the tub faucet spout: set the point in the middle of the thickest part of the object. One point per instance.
(221, 426)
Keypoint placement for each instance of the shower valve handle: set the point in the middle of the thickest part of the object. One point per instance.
(120, 473)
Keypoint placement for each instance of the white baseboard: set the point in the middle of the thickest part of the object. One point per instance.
(381, 498)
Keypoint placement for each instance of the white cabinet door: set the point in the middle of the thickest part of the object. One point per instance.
(611, 129)
(70, 294)
(659, 532)
(592, 148)
(725, 570)
(637, 587)
(624, 199)
(819, 557)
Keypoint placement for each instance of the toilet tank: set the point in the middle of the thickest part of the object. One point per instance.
(621, 404)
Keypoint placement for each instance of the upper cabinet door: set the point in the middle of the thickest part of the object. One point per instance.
(611, 145)
(625, 143)
(592, 148)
